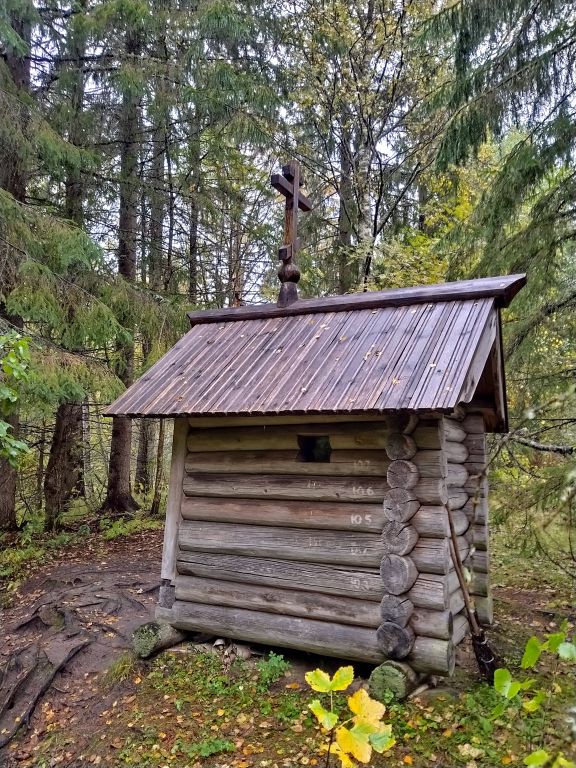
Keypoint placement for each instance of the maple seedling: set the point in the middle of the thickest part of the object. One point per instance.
(355, 737)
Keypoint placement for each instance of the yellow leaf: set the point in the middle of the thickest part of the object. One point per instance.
(350, 743)
(506, 760)
(343, 677)
(326, 718)
(341, 755)
(407, 759)
(366, 708)
(293, 686)
(220, 712)
(318, 680)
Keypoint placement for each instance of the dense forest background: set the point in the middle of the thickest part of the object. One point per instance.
(137, 138)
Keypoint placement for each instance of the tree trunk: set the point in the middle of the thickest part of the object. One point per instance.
(143, 473)
(13, 178)
(347, 264)
(64, 464)
(155, 508)
(119, 497)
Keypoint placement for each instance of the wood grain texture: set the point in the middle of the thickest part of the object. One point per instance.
(396, 608)
(453, 430)
(270, 572)
(314, 488)
(431, 463)
(293, 514)
(431, 623)
(309, 546)
(474, 424)
(485, 610)
(427, 437)
(398, 574)
(400, 504)
(313, 605)
(479, 536)
(398, 538)
(456, 453)
(269, 462)
(402, 474)
(431, 590)
(457, 475)
(433, 522)
(461, 628)
(457, 499)
(432, 656)
(400, 446)
(324, 637)
(395, 640)
(431, 491)
(168, 570)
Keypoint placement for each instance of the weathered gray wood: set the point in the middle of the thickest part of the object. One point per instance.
(456, 453)
(457, 499)
(474, 424)
(396, 608)
(353, 463)
(400, 446)
(479, 536)
(314, 488)
(293, 514)
(394, 676)
(476, 444)
(433, 555)
(402, 474)
(395, 640)
(454, 430)
(477, 486)
(222, 422)
(480, 510)
(461, 628)
(309, 546)
(398, 574)
(400, 504)
(331, 580)
(433, 522)
(168, 569)
(479, 584)
(457, 475)
(398, 538)
(152, 637)
(456, 602)
(325, 637)
(432, 623)
(431, 463)
(280, 436)
(485, 610)
(480, 561)
(431, 590)
(432, 656)
(313, 605)
(431, 491)
(427, 437)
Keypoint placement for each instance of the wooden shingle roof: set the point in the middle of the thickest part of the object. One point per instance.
(422, 349)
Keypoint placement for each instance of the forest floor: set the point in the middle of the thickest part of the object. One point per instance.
(227, 706)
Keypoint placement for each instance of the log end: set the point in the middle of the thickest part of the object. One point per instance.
(148, 639)
(392, 677)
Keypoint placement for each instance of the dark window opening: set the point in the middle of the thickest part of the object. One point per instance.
(314, 448)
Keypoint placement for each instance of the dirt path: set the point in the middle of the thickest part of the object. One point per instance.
(70, 622)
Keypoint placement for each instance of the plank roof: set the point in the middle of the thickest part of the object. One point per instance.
(421, 349)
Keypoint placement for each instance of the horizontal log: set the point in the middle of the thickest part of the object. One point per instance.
(476, 444)
(431, 463)
(309, 546)
(269, 462)
(457, 475)
(485, 610)
(431, 623)
(474, 424)
(396, 608)
(461, 628)
(431, 590)
(313, 605)
(453, 430)
(457, 499)
(314, 488)
(433, 522)
(323, 637)
(480, 562)
(456, 453)
(479, 584)
(431, 491)
(479, 536)
(477, 486)
(293, 514)
(402, 474)
(456, 601)
(400, 504)
(226, 422)
(394, 640)
(433, 555)
(432, 656)
(400, 446)
(398, 538)
(365, 584)
(398, 574)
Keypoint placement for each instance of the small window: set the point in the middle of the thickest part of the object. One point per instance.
(314, 448)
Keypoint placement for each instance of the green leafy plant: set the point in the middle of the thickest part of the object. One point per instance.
(538, 700)
(356, 736)
(14, 361)
(270, 670)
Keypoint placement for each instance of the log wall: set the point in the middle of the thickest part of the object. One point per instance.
(349, 557)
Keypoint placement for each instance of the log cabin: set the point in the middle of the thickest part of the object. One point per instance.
(322, 450)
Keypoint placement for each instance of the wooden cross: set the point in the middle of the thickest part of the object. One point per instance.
(288, 183)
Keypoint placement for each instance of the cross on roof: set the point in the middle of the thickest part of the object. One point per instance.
(288, 184)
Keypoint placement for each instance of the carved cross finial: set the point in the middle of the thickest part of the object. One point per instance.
(288, 184)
